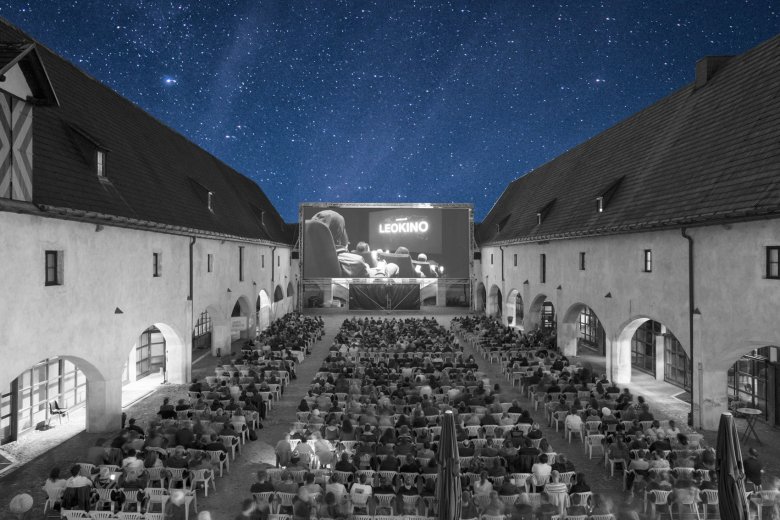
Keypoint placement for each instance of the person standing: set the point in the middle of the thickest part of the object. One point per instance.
(753, 468)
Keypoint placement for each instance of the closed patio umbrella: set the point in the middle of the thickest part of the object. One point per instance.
(731, 476)
(448, 491)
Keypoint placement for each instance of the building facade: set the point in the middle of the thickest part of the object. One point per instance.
(655, 243)
(126, 248)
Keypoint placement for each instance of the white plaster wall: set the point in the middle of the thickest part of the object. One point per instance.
(105, 270)
(738, 304)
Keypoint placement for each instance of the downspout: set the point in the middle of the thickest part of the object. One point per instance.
(192, 245)
(502, 263)
(273, 264)
(691, 308)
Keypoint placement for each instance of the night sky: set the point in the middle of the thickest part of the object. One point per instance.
(399, 101)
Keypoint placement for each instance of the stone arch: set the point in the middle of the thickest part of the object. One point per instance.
(278, 294)
(480, 298)
(515, 313)
(535, 311)
(87, 380)
(621, 358)
(494, 302)
(263, 310)
(161, 347)
(575, 331)
(205, 327)
(290, 290)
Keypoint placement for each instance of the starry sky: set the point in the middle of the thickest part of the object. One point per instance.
(393, 100)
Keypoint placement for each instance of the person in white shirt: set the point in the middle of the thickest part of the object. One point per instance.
(541, 471)
(77, 480)
(573, 422)
(361, 488)
(672, 431)
(483, 486)
(336, 487)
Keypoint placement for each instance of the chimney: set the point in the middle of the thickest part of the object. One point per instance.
(707, 67)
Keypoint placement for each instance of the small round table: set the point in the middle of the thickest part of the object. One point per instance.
(751, 414)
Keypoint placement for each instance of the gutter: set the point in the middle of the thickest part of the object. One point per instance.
(133, 223)
(704, 219)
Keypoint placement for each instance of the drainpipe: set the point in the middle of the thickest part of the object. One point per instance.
(273, 264)
(691, 308)
(192, 245)
(502, 263)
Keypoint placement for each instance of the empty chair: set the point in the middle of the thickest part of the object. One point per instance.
(54, 409)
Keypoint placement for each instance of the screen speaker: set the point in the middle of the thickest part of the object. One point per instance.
(477, 255)
(295, 255)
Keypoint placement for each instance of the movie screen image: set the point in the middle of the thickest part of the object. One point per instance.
(385, 241)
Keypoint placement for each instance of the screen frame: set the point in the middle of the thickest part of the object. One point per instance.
(388, 205)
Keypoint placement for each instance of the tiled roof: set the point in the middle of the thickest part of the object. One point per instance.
(698, 156)
(154, 174)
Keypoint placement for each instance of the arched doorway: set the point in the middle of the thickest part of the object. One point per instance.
(202, 331)
(26, 405)
(582, 327)
(157, 355)
(278, 306)
(514, 309)
(752, 383)
(239, 319)
(481, 299)
(648, 346)
(495, 306)
(542, 314)
(262, 311)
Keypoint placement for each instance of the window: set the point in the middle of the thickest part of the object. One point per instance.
(156, 265)
(100, 163)
(582, 260)
(51, 379)
(648, 265)
(643, 346)
(209, 263)
(491, 258)
(542, 268)
(150, 353)
(278, 261)
(515, 259)
(262, 261)
(748, 379)
(211, 201)
(773, 262)
(53, 260)
(677, 368)
(591, 333)
(240, 263)
(201, 333)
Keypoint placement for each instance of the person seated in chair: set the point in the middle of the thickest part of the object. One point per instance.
(352, 264)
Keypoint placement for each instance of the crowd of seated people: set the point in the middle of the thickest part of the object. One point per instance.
(367, 434)
(662, 464)
(188, 444)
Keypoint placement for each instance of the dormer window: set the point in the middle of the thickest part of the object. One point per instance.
(211, 201)
(606, 195)
(100, 163)
(542, 213)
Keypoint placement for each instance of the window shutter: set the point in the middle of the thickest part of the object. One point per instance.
(22, 162)
(5, 146)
